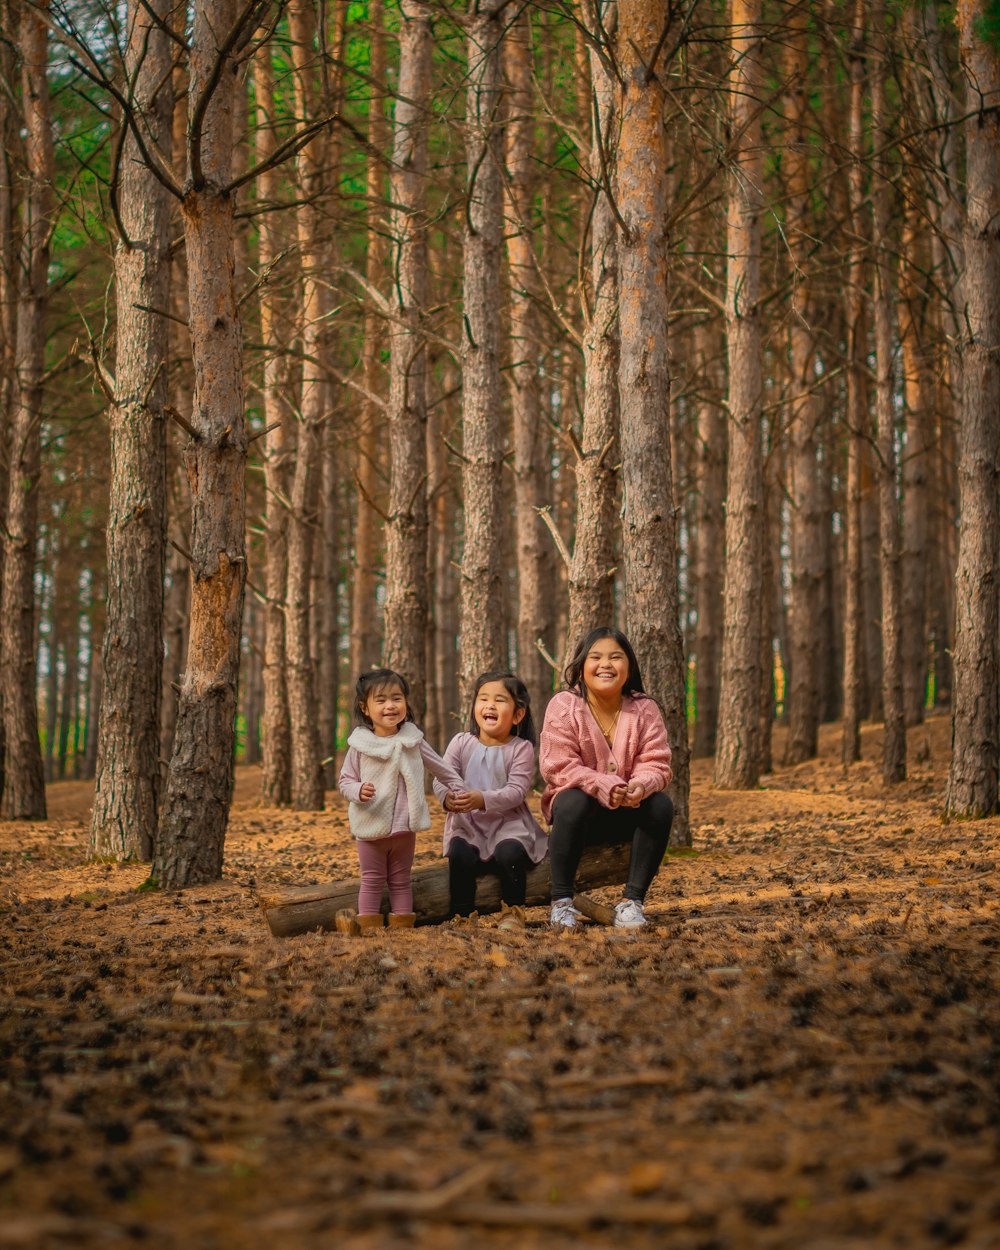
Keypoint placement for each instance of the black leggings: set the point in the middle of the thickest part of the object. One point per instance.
(510, 862)
(579, 820)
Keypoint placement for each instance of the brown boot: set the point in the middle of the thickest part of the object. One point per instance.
(346, 921)
(513, 919)
(374, 921)
(402, 919)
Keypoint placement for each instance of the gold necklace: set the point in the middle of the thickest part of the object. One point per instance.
(608, 733)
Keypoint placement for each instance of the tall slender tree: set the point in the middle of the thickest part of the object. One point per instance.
(126, 798)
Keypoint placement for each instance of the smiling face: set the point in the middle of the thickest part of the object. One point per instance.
(385, 707)
(605, 670)
(496, 713)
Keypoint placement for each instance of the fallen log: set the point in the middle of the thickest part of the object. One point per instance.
(305, 909)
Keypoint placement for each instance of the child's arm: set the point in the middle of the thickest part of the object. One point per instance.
(560, 757)
(453, 758)
(437, 767)
(349, 782)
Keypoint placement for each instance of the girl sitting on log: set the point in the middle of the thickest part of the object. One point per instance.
(489, 827)
(606, 762)
(383, 781)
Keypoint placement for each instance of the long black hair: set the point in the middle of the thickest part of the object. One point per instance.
(573, 676)
(518, 691)
(372, 682)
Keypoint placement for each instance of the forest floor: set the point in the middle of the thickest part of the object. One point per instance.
(803, 1049)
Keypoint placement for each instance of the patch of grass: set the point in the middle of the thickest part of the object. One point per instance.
(149, 884)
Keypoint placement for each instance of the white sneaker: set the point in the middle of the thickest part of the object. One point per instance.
(629, 914)
(564, 914)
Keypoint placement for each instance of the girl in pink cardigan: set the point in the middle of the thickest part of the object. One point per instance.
(605, 758)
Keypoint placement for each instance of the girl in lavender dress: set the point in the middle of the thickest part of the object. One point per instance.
(489, 828)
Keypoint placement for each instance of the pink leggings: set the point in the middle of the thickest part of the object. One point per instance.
(386, 861)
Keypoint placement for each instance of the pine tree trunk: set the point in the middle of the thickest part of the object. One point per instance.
(195, 810)
(737, 758)
(972, 777)
(648, 520)
(444, 625)
(175, 619)
(483, 635)
(534, 601)
(276, 771)
(711, 489)
(24, 780)
(126, 797)
(894, 734)
(591, 571)
(806, 540)
(406, 533)
(303, 708)
(366, 634)
(328, 604)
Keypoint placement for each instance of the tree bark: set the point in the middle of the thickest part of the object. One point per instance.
(483, 635)
(806, 538)
(591, 570)
(534, 602)
(195, 811)
(975, 757)
(648, 518)
(737, 758)
(406, 533)
(307, 909)
(126, 797)
(894, 734)
(24, 779)
(303, 708)
(276, 771)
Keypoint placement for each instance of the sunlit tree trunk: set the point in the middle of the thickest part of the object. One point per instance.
(126, 798)
(534, 600)
(591, 570)
(807, 547)
(24, 780)
(366, 631)
(276, 772)
(482, 639)
(737, 758)
(894, 735)
(406, 537)
(975, 757)
(195, 810)
(648, 520)
(303, 707)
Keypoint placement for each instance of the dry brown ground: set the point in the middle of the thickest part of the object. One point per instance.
(803, 1050)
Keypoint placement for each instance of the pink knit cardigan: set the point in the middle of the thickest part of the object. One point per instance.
(573, 754)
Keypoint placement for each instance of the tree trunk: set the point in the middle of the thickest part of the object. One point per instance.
(972, 777)
(483, 636)
(711, 490)
(328, 604)
(276, 773)
(534, 601)
(307, 909)
(443, 626)
(406, 537)
(894, 735)
(807, 548)
(24, 779)
(591, 570)
(648, 519)
(737, 759)
(126, 797)
(303, 708)
(195, 810)
(366, 640)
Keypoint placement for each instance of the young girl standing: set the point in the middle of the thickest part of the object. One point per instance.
(383, 780)
(489, 827)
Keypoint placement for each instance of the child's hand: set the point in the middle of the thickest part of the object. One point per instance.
(617, 796)
(466, 801)
(367, 792)
(635, 792)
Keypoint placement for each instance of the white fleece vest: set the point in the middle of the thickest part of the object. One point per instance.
(383, 762)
